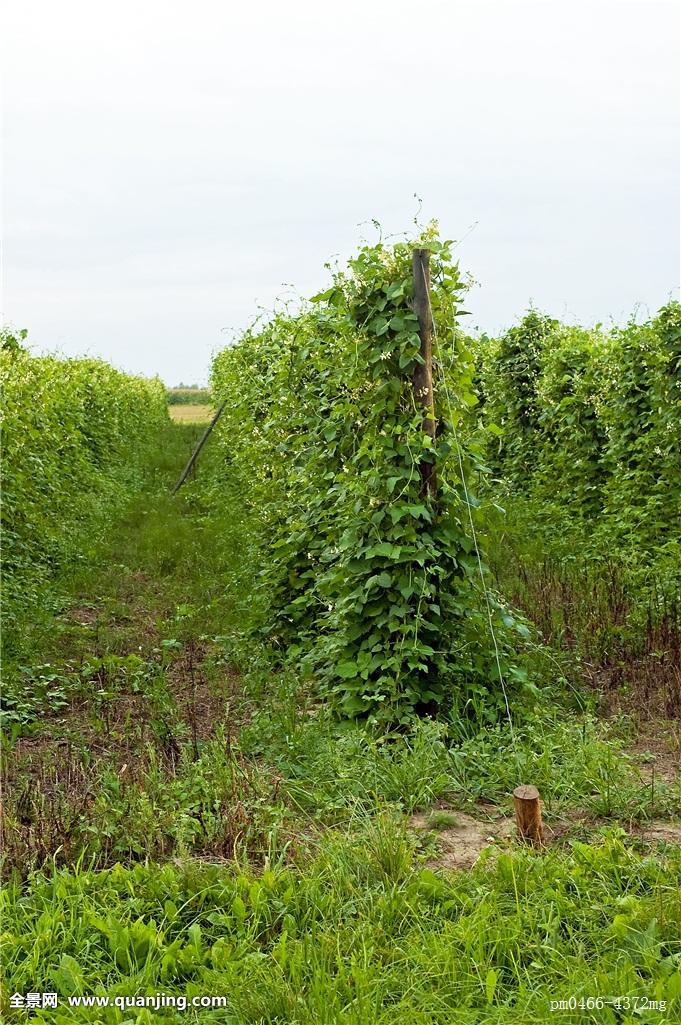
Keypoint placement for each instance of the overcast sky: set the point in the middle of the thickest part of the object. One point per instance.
(171, 167)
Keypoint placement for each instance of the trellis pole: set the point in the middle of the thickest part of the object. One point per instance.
(202, 441)
(423, 374)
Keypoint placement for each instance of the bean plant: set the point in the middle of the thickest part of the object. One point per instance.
(375, 586)
(73, 432)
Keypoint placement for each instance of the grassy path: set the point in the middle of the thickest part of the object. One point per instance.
(122, 681)
(192, 822)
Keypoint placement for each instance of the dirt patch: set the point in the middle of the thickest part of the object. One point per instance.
(655, 831)
(657, 753)
(461, 843)
(82, 615)
(201, 704)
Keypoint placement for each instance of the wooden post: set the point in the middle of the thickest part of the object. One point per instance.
(195, 454)
(423, 375)
(528, 814)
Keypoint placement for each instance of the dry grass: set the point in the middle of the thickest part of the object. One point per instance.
(190, 414)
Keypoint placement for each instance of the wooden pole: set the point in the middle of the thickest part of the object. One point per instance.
(202, 441)
(423, 374)
(528, 814)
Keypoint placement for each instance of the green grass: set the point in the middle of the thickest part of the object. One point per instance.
(363, 933)
(439, 820)
(182, 815)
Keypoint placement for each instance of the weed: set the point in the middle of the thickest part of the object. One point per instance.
(361, 934)
(440, 820)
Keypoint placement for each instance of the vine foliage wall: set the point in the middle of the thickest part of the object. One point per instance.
(370, 583)
(584, 426)
(73, 431)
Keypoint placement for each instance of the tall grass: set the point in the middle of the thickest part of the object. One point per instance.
(363, 934)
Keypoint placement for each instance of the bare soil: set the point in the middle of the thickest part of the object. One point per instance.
(461, 844)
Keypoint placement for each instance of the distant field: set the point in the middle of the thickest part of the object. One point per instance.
(190, 414)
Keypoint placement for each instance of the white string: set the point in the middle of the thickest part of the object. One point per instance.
(474, 536)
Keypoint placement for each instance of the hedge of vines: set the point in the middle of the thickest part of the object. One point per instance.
(368, 583)
(587, 424)
(73, 431)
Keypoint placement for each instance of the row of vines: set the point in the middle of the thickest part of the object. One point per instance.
(582, 431)
(370, 584)
(590, 421)
(378, 589)
(74, 431)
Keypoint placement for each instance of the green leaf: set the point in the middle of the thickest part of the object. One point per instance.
(347, 670)
(323, 296)
(491, 980)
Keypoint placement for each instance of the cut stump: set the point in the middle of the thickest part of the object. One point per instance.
(528, 814)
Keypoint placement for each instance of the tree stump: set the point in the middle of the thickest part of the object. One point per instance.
(528, 814)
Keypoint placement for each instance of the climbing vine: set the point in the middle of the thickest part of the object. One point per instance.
(371, 584)
(583, 428)
(73, 431)
(590, 421)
